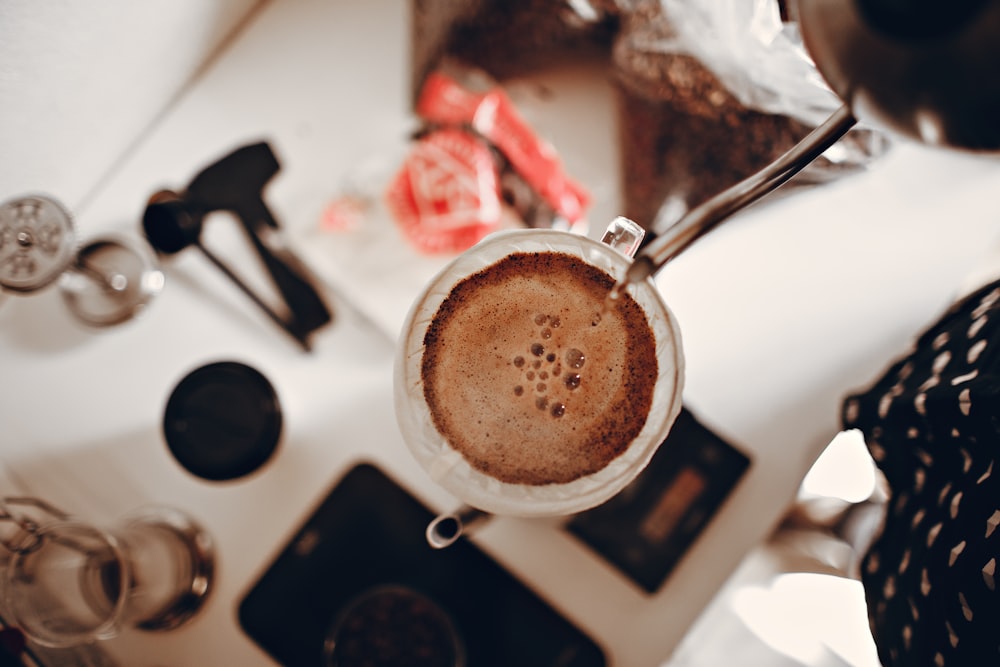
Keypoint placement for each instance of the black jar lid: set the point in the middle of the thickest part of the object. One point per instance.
(222, 421)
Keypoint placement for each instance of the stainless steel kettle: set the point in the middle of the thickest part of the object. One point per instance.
(925, 68)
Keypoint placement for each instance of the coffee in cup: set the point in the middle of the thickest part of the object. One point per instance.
(533, 374)
(523, 387)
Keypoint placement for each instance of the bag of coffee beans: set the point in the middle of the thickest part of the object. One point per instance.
(708, 92)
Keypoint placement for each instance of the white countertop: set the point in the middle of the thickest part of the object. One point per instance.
(782, 310)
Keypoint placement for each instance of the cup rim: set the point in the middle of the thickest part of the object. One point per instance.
(448, 467)
(106, 629)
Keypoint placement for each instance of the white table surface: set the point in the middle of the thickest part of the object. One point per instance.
(783, 310)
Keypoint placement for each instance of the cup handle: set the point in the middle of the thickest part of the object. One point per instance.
(445, 529)
(624, 235)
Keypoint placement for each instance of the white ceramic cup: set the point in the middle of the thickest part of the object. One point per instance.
(447, 467)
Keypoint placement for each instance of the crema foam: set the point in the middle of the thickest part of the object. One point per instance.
(533, 375)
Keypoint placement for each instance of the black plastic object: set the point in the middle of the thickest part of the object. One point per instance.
(223, 421)
(173, 221)
(368, 533)
(919, 19)
(646, 529)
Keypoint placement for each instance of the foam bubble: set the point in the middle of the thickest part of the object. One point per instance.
(534, 312)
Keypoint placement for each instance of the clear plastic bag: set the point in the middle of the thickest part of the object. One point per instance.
(711, 92)
(756, 54)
